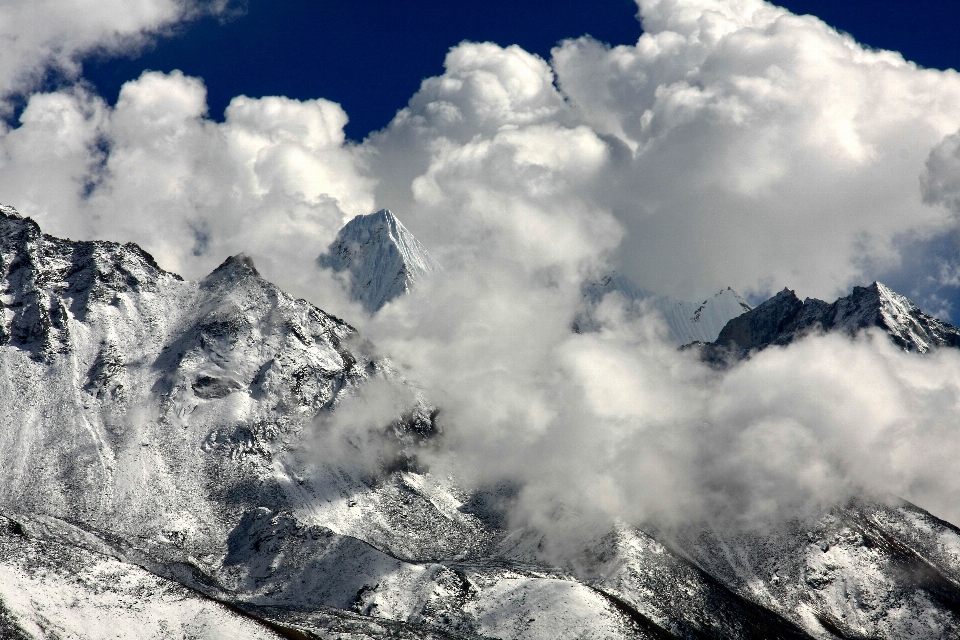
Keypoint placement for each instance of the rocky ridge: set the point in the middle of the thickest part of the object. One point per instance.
(784, 318)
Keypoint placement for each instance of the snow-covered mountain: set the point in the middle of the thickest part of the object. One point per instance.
(687, 321)
(164, 473)
(382, 258)
(701, 321)
(784, 318)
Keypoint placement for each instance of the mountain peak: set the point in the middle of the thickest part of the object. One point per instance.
(232, 269)
(383, 258)
(9, 212)
(783, 318)
(686, 321)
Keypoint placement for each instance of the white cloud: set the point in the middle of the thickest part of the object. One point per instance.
(276, 179)
(770, 150)
(745, 146)
(735, 144)
(53, 35)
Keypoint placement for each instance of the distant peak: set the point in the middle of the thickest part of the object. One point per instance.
(782, 319)
(687, 321)
(383, 258)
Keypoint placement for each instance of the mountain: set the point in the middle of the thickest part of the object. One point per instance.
(704, 320)
(382, 258)
(171, 466)
(784, 318)
(687, 321)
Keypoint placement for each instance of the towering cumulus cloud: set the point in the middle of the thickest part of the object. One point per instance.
(734, 144)
(743, 145)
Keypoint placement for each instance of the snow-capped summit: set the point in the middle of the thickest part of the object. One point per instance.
(783, 318)
(687, 321)
(383, 258)
(702, 321)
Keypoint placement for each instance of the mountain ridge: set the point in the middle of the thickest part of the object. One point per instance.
(168, 441)
(783, 319)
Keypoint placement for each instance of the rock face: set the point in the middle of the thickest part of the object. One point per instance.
(382, 258)
(687, 321)
(784, 318)
(169, 467)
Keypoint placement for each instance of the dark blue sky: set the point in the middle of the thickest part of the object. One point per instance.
(371, 55)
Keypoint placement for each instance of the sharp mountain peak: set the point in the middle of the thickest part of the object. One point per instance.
(380, 257)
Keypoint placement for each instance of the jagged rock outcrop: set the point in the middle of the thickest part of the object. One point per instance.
(380, 257)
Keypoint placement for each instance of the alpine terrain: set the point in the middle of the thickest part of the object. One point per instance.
(784, 318)
(163, 474)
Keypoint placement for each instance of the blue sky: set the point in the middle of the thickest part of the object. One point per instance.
(371, 56)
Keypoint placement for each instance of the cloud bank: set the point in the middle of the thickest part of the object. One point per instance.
(734, 145)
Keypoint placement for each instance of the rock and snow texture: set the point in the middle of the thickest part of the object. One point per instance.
(687, 321)
(382, 258)
(153, 479)
(784, 318)
(49, 589)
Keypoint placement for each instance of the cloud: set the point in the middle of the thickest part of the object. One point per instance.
(276, 179)
(52, 36)
(745, 146)
(734, 144)
(940, 181)
(769, 149)
(619, 425)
